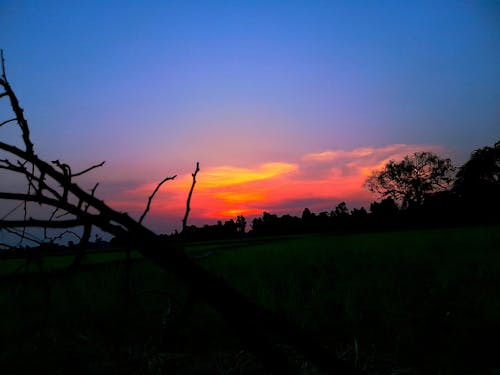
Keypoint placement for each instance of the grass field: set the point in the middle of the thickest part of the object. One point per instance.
(424, 301)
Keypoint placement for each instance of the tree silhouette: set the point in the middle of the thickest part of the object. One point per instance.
(241, 224)
(341, 210)
(480, 174)
(409, 180)
(386, 208)
(477, 183)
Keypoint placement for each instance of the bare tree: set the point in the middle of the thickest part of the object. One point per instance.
(52, 185)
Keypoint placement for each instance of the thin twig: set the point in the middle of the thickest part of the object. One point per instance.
(36, 223)
(24, 236)
(152, 196)
(16, 108)
(103, 222)
(188, 201)
(92, 192)
(62, 234)
(11, 212)
(4, 76)
(65, 168)
(7, 246)
(88, 169)
(7, 121)
(7, 165)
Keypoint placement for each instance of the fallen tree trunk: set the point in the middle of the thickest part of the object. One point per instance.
(264, 333)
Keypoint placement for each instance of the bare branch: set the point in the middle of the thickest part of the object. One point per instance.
(87, 229)
(25, 203)
(23, 235)
(11, 211)
(35, 223)
(7, 121)
(152, 196)
(31, 177)
(62, 234)
(188, 202)
(92, 192)
(258, 328)
(88, 169)
(62, 215)
(4, 76)
(65, 168)
(106, 212)
(16, 108)
(102, 221)
(6, 246)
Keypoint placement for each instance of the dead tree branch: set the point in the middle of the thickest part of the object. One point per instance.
(88, 169)
(36, 223)
(262, 332)
(152, 196)
(4, 76)
(7, 121)
(16, 108)
(188, 201)
(24, 235)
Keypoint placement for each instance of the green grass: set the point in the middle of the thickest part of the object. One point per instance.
(424, 300)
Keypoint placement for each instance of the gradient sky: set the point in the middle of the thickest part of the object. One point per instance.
(285, 104)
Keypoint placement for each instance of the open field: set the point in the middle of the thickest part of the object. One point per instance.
(424, 301)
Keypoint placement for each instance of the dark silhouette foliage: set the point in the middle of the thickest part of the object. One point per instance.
(411, 179)
(385, 209)
(477, 183)
(481, 173)
(422, 184)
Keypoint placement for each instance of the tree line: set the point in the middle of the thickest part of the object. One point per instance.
(422, 190)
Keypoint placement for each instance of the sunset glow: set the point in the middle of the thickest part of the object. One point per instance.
(318, 181)
(285, 105)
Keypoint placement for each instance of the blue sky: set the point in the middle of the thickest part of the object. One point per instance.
(154, 86)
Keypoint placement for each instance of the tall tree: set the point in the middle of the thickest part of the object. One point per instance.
(478, 182)
(411, 179)
(241, 224)
(480, 175)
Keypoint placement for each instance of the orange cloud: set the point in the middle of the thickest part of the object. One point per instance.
(319, 181)
(219, 177)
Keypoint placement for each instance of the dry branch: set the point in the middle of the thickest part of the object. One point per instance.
(7, 121)
(35, 223)
(16, 108)
(88, 169)
(188, 201)
(262, 332)
(152, 196)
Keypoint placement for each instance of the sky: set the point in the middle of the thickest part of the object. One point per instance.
(285, 104)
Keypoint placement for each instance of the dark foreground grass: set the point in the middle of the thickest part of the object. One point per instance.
(422, 299)
(425, 301)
